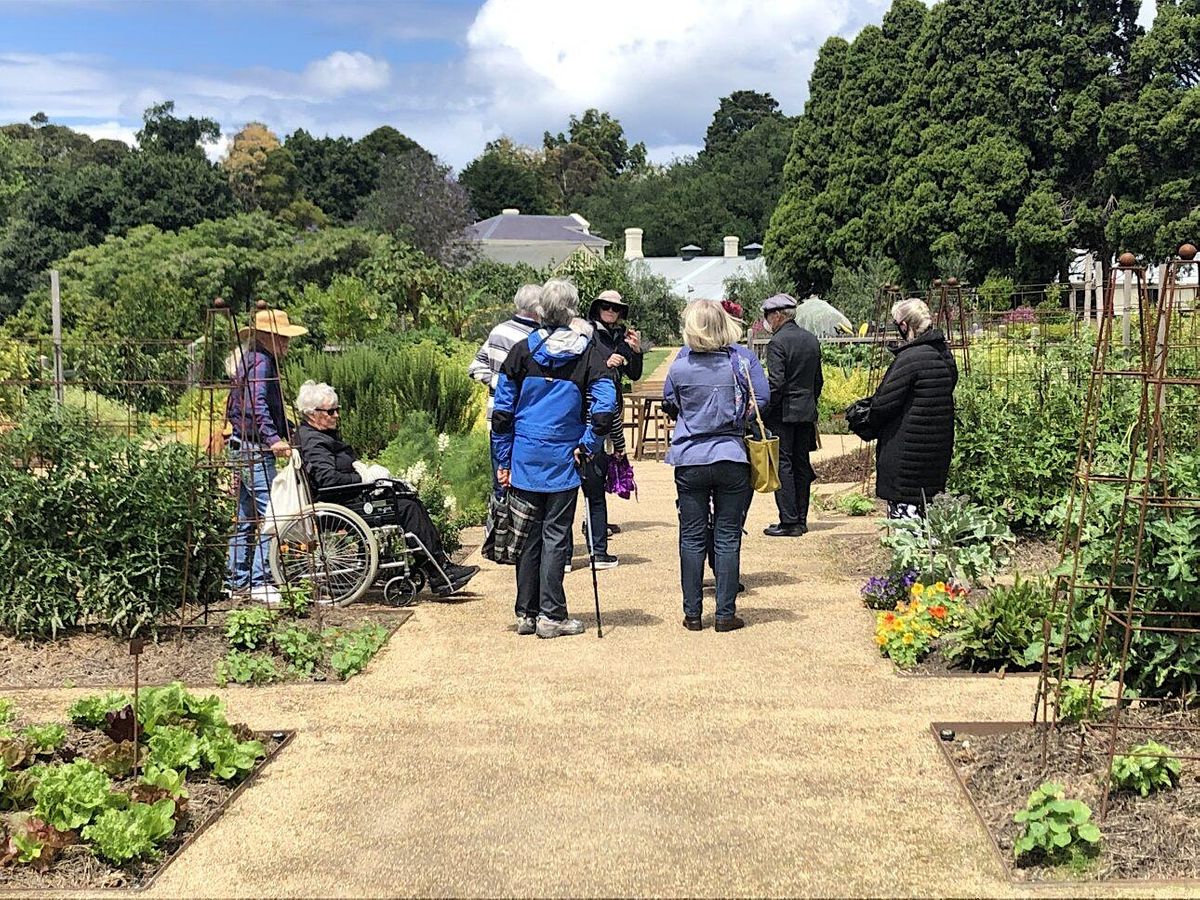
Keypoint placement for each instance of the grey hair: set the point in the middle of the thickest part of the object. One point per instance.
(559, 302)
(313, 396)
(914, 313)
(788, 313)
(528, 299)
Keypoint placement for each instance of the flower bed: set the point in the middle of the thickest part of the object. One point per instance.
(1143, 837)
(75, 812)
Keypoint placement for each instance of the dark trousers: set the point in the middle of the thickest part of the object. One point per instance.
(594, 477)
(546, 553)
(413, 517)
(796, 473)
(725, 488)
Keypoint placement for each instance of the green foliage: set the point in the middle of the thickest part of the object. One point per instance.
(855, 290)
(352, 650)
(120, 835)
(956, 539)
(8, 710)
(70, 795)
(752, 288)
(301, 647)
(843, 385)
(239, 667)
(1078, 703)
(997, 630)
(1055, 829)
(174, 705)
(230, 759)
(856, 504)
(378, 388)
(92, 529)
(248, 628)
(1148, 767)
(296, 599)
(348, 311)
(169, 780)
(45, 738)
(174, 747)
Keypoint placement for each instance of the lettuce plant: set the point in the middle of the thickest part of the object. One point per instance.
(70, 795)
(1148, 767)
(120, 835)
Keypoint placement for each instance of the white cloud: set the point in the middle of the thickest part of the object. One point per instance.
(99, 131)
(662, 154)
(344, 73)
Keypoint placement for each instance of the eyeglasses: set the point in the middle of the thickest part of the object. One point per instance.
(333, 410)
(611, 307)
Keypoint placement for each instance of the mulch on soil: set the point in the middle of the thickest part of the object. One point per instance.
(90, 659)
(77, 868)
(855, 466)
(1144, 837)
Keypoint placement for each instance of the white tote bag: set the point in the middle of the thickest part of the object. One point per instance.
(289, 514)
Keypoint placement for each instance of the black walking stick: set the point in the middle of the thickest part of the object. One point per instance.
(587, 529)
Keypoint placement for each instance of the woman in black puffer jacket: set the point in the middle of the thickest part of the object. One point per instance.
(913, 414)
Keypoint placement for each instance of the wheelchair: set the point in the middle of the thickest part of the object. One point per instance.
(357, 536)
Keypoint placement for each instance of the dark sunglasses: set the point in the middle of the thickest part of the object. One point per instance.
(611, 307)
(333, 410)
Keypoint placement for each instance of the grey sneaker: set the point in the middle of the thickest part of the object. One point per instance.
(526, 625)
(548, 628)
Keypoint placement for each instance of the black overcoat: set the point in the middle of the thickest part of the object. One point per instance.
(794, 375)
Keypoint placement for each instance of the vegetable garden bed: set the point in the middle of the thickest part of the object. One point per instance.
(75, 816)
(98, 659)
(1143, 839)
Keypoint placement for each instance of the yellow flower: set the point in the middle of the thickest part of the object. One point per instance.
(880, 640)
(940, 586)
(917, 589)
(908, 639)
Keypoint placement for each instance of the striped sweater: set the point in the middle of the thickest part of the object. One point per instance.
(485, 367)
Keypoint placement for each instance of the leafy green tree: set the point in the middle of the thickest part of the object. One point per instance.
(164, 132)
(334, 173)
(604, 139)
(505, 176)
(735, 116)
(246, 163)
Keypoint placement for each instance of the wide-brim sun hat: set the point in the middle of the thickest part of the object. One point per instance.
(273, 321)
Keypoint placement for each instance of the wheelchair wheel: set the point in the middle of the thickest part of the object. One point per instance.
(400, 590)
(342, 562)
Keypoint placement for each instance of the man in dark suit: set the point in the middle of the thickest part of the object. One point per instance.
(794, 374)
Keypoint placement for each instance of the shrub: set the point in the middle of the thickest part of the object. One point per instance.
(998, 630)
(96, 529)
(957, 539)
(843, 385)
(1055, 829)
(1148, 767)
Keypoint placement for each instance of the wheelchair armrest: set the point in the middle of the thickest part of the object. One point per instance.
(339, 492)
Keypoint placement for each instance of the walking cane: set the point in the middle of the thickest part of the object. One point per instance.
(587, 530)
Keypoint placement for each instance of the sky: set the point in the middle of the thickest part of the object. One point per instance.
(452, 74)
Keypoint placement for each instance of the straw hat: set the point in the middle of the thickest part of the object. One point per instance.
(273, 321)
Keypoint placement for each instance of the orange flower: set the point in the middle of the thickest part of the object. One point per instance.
(889, 618)
(938, 612)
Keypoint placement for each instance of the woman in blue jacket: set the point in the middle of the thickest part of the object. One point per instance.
(707, 392)
(555, 402)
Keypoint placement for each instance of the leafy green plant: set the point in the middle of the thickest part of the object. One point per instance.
(230, 759)
(247, 629)
(90, 712)
(172, 704)
(8, 710)
(120, 835)
(1055, 829)
(1147, 767)
(856, 504)
(999, 628)
(172, 782)
(296, 599)
(1077, 703)
(45, 738)
(238, 667)
(957, 540)
(354, 649)
(174, 747)
(301, 647)
(70, 795)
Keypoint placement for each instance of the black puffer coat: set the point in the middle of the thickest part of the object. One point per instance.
(913, 410)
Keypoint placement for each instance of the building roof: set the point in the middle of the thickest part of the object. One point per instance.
(702, 277)
(517, 227)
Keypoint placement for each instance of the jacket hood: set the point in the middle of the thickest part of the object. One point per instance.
(932, 337)
(561, 345)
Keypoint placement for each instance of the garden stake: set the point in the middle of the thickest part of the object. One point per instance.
(135, 650)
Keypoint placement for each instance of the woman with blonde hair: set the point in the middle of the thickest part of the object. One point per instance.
(912, 413)
(707, 392)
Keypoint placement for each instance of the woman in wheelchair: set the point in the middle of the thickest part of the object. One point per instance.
(332, 467)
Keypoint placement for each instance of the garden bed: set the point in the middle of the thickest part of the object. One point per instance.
(853, 466)
(74, 859)
(999, 764)
(93, 659)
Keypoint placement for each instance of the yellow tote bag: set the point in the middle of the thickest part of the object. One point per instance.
(764, 454)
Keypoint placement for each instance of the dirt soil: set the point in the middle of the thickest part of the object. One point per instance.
(1144, 837)
(854, 466)
(78, 868)
(84, 659)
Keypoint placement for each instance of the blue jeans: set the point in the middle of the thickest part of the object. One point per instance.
(255, 470)
(546, 552)
(726, 486)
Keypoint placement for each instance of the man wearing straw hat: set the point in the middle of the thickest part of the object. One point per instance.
(260, 433)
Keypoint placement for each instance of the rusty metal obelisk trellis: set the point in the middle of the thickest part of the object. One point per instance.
(1119, 601)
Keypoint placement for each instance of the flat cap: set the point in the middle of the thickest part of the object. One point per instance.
(779, 301)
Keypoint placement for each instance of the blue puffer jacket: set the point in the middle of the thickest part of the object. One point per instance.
(554, 394)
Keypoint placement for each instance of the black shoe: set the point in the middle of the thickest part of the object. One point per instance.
(606, 561)
(692, 624)
(741, 588)
(459, 576)
(785, 530)
(614, 529)
(458, 573)
(731, 624)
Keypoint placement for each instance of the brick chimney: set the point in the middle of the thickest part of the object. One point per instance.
(731, 246)
(633, 243)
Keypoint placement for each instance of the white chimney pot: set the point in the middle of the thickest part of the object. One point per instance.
(731, 246)
(633, 243)
(510, 211)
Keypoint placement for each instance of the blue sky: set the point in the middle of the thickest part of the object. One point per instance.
(451, 74)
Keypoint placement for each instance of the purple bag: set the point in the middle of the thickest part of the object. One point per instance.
(620, 479)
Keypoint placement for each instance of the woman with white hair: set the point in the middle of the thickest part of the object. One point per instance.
(707, 392)
(555, 403)
(330, 462)
(912, 413)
